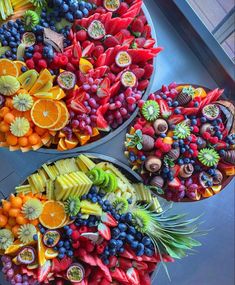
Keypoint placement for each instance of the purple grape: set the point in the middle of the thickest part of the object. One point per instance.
(93, 118)
(88, 130)
(88, 120)
(25, 283)
(131, 100)
(10, 273)
(82, 125)
(114, 125)
(188, 182)
(172, 85)
(181, 188)
(4, 270)
(94, 88)
(18, 283)
(90, 80)
(75, 124)
(93, 111)
(71, 114)
(86, 103)
(88, 108)
(25, 278)
(120, 121)
(112, 106)
(18, 278)
(123, 111)
(13, 282)
(117, 115)
(86, 87)
(92, 103)
(121, 97)
(5, 259)
(131, 108)
(87, 96)
(118, 104)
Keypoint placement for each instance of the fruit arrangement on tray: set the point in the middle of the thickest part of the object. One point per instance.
(183, 142)
(81, 220)
(70, 71)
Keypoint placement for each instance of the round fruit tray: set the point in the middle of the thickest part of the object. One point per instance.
(77, 92)
(88, 219)
(182, 142)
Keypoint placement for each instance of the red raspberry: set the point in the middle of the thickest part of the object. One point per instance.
(195, 129)
(166, 147)
(214, 140)
(81, 36)
(38, 48)
(37, 55)
(158, 143)
(206, 135)
(148, 131)
(63, 60)
(100, 248)
(141, 121)
(75, 235)
(73, 227)
(76, 244)
(152, 96)
(137, 127)
(193, 138)
(158, 153)
(148, 70)
(195, 153)
(42, 63)
(83, 229)
(30, 63)
(193, 146)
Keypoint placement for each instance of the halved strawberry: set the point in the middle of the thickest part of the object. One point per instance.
(140, 265)
(43, 271)
(164, 108)
(174, 184)
(108, 220)
(133, 276)
(104, 231)
(88, 50)
(175, 170)
(111, 41)
(123, 8)
(104, 268)
(124, 263)
(55, 265)
(119, 275)
(175, 119)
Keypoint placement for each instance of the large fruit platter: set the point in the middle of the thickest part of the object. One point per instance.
(70, 71)
(81, 221)
(183, 142)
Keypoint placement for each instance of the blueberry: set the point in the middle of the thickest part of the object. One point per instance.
(73, 6)
(66, 244)
(146, 241)
(8, 53)
(28, 55)
(134, 244)
(62, 250)
(162, 135)
(66, 227)
(94, 199)
(140, 246)
(128, 217)
(82, 5)
(61, 243)
(43, 15)
(139, 236)
(42, 231)
(4, 43)
(203, 119)
(122, 227)
(187, 160)
(121, 250)
(175, 104)
(70, 253)
(119, 243)
(61, 256)
(10, 24)
(112, 251)
(65, 8)
(129, 201)
(130, 238)
(148, 252)
(183, 150)
(115, 232)
(39, 38)
(122, 235)
(196, 104)
(88, 6)
(105, 261)
(165, 170)
(35, 237)
(45, 25)
(50, 241)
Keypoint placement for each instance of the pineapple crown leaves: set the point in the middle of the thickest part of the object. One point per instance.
(188, 90)
(170, 234)
(135, 140)
(168, 162)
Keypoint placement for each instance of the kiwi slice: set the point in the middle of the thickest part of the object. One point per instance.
(150, 110)
(26, 233)
(72, 206)
(120, 205)
(208, 156)
(30, 19)
(9, 85)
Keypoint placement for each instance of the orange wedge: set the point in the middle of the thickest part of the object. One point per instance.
(8, 67)
(64, 117)
(57, 93)
(200, 92)
(208, 192)
(45, 113)
(19, 64)
(53, 215)
(41, 250)
(71, 143)
(85, 65)
(216, 188)
(61, 145)
(83, 139)
(50, 253)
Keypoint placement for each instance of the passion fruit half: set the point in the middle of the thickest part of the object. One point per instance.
(66, 80)
(75, 272)
(211, 111)
(96, 30)
(128, 79)
(51, 238)
(123, 59)
(26, 255)
(111, 5)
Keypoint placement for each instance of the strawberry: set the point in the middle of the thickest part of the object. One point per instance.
(104, 231)
(43, 271)
(98, 50)
(147, 31)
(125, 263)
(113, 261)
(122, 8)
(100, 248)
(70, 67)
(139, 42)
(139, 72)
(81, 35)
(125, 32)
(175, 183)
(108, 220)
(164, 108)
(175, 170)
(143, 19)
(137, 27)
(140, 265)
(158, 153)
(55, 265)
(119, 275)
(143, 84)
(148, 130)
(133, 276)
(165, 147)
(110, 41)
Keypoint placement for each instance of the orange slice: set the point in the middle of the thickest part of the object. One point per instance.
(42, 80)
(61, 145)
(45, 113)
(50, 253)
(8, 67)
(41, 250)
(200, 92)
(64, 117)
(71, 143)
(19, 64)
(57, 93)
(216, 188)
(53, 215)
(85, 65)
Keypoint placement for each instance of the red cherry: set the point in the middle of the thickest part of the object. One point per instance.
(158, 143)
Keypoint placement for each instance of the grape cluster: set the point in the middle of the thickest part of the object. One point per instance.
(9, 270)
(70, 9)
(10, 36)
(125, 234)
(122, 106)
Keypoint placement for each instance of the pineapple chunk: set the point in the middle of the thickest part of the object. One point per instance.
(65, 166)
(85, 163)
(23, 189)
(51, 171)
(50, 187)
(89, 208)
